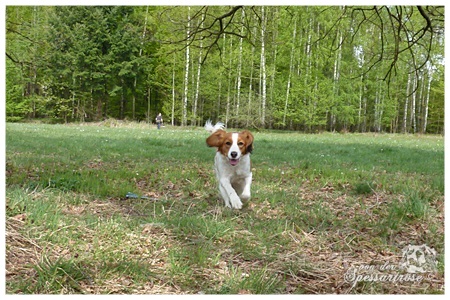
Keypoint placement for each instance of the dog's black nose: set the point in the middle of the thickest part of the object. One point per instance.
(233, 154)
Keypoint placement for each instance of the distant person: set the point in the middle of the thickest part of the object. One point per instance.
(159, 120)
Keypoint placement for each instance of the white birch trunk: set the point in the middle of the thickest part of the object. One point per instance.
(227, 111)
(316, 81)
(360, 102)
(173, 92)
(274, 70)
(291, 66)
(377, 97)
(197, 88)
(364, 127)
(263, 67)
(239, 81)
(379, 107)
(427, 99)
(405, 110)
(420, 102)
(413, 104)
(219, 97)
(250, 87)
(336, 75)
(186, 74)
(308, 57)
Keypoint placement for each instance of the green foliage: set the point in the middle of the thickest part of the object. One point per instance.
(61, 274)
(89, 63)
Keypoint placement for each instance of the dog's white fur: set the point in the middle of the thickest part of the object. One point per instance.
(232, 163)
(209, 127)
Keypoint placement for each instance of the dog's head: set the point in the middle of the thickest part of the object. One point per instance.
(232, 145)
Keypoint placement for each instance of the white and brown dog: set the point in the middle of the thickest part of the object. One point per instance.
(232, 163)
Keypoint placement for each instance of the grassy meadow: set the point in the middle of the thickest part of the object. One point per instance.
(322, 205)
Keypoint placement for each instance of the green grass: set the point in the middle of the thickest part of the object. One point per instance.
(320, 205)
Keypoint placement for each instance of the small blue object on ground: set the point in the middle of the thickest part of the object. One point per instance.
(130, 195)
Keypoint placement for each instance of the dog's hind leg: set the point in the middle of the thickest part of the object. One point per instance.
(246, 191)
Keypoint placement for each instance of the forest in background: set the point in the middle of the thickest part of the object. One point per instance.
(308, 68)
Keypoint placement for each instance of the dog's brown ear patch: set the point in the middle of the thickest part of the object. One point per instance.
(216, 139)
(248, 137)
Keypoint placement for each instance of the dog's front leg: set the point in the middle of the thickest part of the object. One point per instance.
(229, 194)
(224, 196)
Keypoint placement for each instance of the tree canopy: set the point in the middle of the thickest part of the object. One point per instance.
(310, 68)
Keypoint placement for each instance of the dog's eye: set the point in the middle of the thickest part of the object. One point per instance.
(240, 144)
(228, 143)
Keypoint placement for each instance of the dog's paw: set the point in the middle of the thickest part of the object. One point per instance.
(245, 197)
(236, 203)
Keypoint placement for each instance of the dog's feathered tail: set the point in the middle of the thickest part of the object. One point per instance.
(209, 127)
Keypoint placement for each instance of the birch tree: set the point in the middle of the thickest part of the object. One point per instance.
(291, 68)
(405, 109)
(413, 104)
(427, 100)
(336, 76)
(227, 109)
(199, 67)
(263, 67)
(239, 68)
(186, 71)
(250, 87)
(172, 115)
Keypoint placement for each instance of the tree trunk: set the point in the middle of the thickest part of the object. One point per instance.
(173, 91)
(420, 103)
(308, 58)
(263, 67)
(199, 67)
(250, 87)
(360, 103)
(315, 97)
(376, 109)
(427, 99)
(140, 54)
(413, 104)
(73, 96)
(274, 70)
(186, 72)
(227, 110)
(99, 109)
(238, 97)
(291, 67)
(149, 98)
(379, 107)
(364, 125)
(405, 110)
(336, 76)
(122, 100)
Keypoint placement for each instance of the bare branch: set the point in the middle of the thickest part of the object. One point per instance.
(214, 29)
(394, 24)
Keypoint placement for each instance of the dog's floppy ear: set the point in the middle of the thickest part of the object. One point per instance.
(216, 139)
(248, 137)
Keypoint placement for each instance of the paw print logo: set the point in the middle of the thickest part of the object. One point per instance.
(418, 259)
